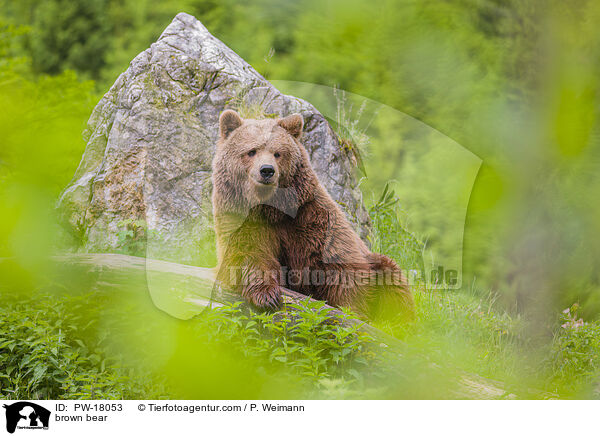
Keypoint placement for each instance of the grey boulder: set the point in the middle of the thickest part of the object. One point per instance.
(151, 139)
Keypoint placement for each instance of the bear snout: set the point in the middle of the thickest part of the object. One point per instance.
(266, 172)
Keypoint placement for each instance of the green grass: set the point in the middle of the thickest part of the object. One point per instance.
(247, 108)
(100, 346)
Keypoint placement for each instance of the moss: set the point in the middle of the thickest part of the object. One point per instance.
(254, 110)
(152, 92)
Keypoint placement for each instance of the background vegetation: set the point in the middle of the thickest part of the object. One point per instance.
(513, 82)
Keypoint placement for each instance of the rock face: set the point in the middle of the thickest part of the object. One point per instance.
(151, 139)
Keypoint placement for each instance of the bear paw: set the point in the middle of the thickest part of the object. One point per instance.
(266, 299)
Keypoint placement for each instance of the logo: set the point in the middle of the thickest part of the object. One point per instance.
(26, 415)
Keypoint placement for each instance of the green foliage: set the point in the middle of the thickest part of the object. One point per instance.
(49, 350)
(246, 109)
(389, 236)
(67, 35)
(11, 62)
(474, 334)
(68, 346)
(307, 337)
(487, 74)
(41, 147)
(42, 131)
(133, 237)
(575, 351)
(99, 345)
(353, 138)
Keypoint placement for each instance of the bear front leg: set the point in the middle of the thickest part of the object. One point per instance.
(248, 261)
(260, 284)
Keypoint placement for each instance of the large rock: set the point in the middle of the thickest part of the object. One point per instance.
(151, 139)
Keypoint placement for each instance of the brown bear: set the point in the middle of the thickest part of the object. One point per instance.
(277, 226)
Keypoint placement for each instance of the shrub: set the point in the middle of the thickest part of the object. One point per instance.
(312, 340)
(575, 356)
(49, 350)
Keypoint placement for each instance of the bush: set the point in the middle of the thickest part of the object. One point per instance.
(310, 339)
(575, 355)
(49, 350)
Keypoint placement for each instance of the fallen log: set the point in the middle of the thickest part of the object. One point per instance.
(185, 291)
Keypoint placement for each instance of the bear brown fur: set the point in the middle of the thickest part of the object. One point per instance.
(277, 226)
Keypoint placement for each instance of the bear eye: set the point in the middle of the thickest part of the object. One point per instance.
(277, 155)
(251, 153)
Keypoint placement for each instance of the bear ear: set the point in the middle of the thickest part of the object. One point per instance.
(293, 124)
(228, 122)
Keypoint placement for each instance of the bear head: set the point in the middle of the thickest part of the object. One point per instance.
(260, 162)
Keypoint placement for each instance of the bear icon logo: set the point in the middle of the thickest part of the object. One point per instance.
(24, 414)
